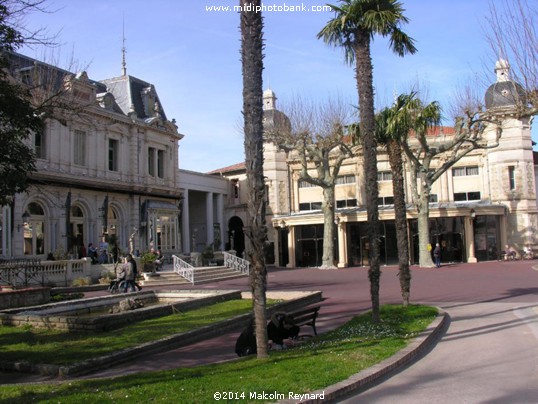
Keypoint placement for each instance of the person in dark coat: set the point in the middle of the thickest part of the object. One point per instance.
(281, 327)
(437, 255)
(246, 342)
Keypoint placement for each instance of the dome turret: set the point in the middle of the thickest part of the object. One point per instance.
(272, 117)
(504, 93)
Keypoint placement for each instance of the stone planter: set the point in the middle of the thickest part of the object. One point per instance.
(149, 267)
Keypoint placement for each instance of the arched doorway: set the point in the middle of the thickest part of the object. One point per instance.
(77, 230)
(236, 236)
(34, 230)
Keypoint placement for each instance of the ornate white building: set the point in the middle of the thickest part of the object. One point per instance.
(111, 167)
(487, 200)
(108, 166)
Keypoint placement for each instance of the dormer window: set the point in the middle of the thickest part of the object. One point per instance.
(80, 87)
(148, 99)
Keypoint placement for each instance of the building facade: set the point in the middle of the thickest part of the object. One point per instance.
(485, 201)
(107, 166)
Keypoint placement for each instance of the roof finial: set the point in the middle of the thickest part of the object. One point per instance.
(123, 63)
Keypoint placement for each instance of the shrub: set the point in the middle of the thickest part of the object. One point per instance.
(85, 281)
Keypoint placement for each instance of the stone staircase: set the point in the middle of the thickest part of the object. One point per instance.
(201, 275)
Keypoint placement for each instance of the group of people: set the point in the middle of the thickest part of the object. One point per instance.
(510, 253)
(126, 276)
(281, 331)
(98, 256)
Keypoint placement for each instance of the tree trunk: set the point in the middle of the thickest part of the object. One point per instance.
(396, 164)
(425, 256)
(328, 229)
(363, 75)
(252, 64)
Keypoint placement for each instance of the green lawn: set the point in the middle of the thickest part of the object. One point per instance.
(43, 346)
(316, 364)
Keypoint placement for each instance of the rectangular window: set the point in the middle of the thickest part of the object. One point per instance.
(235, 186)
(310, 206)
(345, 179)
(384, 175)
(160, 163)
(433, 198)
(112, 154)
(39, 144)
(466, 196)
(464, 171)
(385, 200)
(305, 184)
(346, 203)
(151, 161)
(471, 170)
(512, 177)
(80, 148)
(473, 196)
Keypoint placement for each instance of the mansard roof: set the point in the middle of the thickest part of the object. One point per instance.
(135, 95)
(123, 95)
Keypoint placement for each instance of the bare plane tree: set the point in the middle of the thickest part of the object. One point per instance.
(316, 139)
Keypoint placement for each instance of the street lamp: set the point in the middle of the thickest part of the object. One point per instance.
(25, 217)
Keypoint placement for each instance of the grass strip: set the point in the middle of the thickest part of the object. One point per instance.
(54, 347)
(318, 363)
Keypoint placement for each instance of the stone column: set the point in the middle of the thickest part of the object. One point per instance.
(185, 223)
(342, 245)
(209, 218)
(469, 240)
(292, 262)
(220, 219)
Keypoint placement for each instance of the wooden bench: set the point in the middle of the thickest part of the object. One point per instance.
(306, 316)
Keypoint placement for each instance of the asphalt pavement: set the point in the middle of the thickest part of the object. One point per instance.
(488, 354)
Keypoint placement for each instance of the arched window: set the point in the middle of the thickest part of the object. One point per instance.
(34, 230)
(113, 222)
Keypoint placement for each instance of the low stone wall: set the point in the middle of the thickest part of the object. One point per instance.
(24, 297)
(296, 300)
(91, 315)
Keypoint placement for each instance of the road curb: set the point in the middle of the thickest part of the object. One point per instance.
(373, 375)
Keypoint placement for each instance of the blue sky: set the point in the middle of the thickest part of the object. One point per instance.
(192, 57)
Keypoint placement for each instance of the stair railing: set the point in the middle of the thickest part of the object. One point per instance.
(236, 263)
(184, 269)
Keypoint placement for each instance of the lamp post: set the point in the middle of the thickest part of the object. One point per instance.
(25, 216)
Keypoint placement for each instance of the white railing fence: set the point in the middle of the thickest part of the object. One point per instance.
(236, 263)
(183, 269)
(22, 273)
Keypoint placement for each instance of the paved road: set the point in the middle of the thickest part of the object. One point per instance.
(489, 353)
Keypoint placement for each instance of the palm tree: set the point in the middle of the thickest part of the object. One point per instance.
(353, 28)
(252, 68)
(392, 125)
